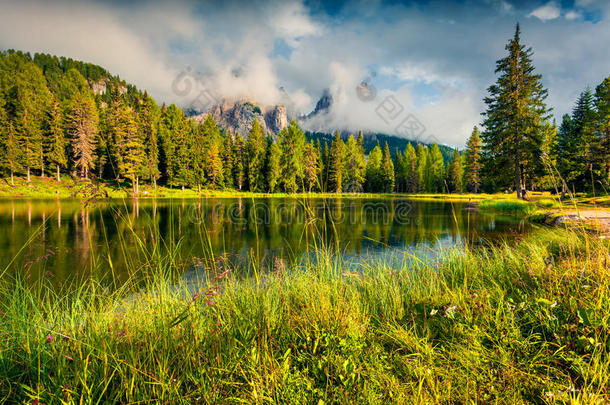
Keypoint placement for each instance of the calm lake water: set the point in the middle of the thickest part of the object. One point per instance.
(67, 240)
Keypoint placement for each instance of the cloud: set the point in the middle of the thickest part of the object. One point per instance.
(573, 15)
(437, 70)
(549, 11)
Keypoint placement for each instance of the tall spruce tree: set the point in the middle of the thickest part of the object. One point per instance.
(336, 164)
(256, 158)
(83, 126)
(435, 170)
(456, 174)
(387, 170)
(374, 180)
(410, 169)
(355, 166)
(312, 167)
(515, 116)
(472, 169)
(274, 164)
(55, 139)
(421, 165)
(32, 101)
(602, 131)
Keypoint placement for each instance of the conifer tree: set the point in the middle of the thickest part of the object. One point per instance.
(32, 102)
(149, 117)
(239, 164)
(256, 158)
(472, 169)
(336, 164)
(421, 165)
(436, 170)
(130, 147)
(55, 139)
(355, 166)
(228, 159)
(214, 169)
(374, 182)
(312, 167)
(387, 170)
(602, 131)
(292, 144)
(455, 173)
(410, 169)
(514, 118)
(83, 121)
(274, 169)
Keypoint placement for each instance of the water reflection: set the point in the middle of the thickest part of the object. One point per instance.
(61, 240)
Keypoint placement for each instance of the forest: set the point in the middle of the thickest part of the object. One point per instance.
(60, 116)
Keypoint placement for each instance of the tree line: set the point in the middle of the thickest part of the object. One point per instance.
(62, 116)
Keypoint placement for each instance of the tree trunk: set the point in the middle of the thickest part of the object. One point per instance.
(12, 178)
(58, 178)
(182, 187)
(199, 187)
(518, 178)
(28, 175)
(155, 182)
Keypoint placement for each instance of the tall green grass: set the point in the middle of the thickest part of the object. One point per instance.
(510, 324)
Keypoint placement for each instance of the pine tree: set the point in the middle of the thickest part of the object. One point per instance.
(130, 147)
(256, 158)
(55, 139)
(274, 167)
(436, 170)
(421, 167)
(410, 169)
(83, 121)
(33, 99)
(387, 170)
(336, 164)
(455, 173)
(355, 166)
(602, 131)
(374, 182)
(312, 167)
(149, 117)
(239, 164)
(292, 143)
(472, 169)
(228, 159)
(515, 114)
(214, 169)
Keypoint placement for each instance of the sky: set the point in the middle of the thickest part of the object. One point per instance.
(387, 64)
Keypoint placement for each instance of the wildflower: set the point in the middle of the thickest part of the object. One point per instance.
(433, 312)
(49, 338)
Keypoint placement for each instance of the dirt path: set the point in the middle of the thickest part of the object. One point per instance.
(600, 218)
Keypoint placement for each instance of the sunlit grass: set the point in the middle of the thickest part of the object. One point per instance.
(524, 323)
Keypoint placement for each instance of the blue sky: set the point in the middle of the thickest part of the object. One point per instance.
(435, 58)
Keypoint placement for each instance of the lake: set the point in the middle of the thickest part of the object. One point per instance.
(61, 241)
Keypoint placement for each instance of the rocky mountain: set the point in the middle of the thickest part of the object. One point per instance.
(239, 115)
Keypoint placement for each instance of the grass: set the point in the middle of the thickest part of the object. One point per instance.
(70, 188)
(509, 324)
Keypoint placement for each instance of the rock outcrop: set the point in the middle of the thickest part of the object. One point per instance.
(238, 116)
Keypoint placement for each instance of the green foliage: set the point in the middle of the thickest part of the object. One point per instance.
(336, 164)
(256, 158)
(514, 120)
(472, 168)
(516, 324)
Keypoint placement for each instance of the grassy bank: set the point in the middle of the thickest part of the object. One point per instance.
(70, 188)
(512, 324)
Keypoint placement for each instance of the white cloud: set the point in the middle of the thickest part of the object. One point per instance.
(549, 11)
(232, 46)
(572, 15)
